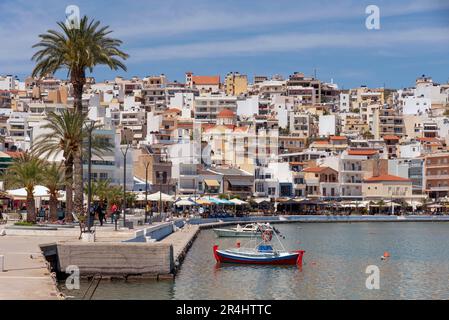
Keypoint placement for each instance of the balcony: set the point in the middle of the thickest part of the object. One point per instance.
(446, 188)
(438, 177)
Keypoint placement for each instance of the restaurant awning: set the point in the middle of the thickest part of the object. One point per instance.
(240, 182)
(212, 183)
(185, 202)
(203, 202)
(220, 201)
(238, 202)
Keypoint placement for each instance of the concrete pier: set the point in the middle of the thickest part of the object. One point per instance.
(181, 241)
(25, 275)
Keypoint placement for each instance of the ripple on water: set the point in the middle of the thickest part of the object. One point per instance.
(336, 258)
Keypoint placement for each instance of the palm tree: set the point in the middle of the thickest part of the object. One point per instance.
(53, 180)
(77, 50)
(65, 135)
(100, 189)
(26, 171)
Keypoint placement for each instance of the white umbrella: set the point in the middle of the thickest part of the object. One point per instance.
(185, 203)
(160, 196)
(238, 202)
(38, 192)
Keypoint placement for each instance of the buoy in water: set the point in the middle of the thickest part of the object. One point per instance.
(385, 256)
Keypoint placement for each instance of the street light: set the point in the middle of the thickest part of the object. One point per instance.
(124, 149)
(160, 174)
(147, 165)
(90, 126)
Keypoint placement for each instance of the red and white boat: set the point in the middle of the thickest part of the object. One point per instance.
(263, 253)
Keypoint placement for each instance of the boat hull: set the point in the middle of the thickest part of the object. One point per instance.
(290, 258)
(234, 234)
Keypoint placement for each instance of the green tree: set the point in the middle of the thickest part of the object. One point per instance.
(64, 134)
(26, 171)
(53, 180)
(77, 49)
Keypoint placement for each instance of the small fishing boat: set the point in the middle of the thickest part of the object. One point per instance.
(249, 230)
(263, 253)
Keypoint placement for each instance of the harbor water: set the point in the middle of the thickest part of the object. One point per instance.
(335, 264)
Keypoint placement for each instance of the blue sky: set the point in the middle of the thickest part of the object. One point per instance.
(252, 37)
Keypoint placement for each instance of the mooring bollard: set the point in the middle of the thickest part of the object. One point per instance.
(2, 263)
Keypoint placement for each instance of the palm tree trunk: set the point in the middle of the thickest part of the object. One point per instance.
(31, 208)
(78, 183)
(53, 208)
(78, 81)
(69, 188)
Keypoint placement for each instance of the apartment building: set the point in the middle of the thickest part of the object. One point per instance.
(207, 107)
(436, 169)
(390, 122)
(355, 165)
(308, 88)
(385, 187)
(236, 84)
(204, 84)
(321, 182)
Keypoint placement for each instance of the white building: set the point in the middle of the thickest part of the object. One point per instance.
(344, 102)
(207, 107)
(409, 150)
(183, 101)
(416, 105)
(248, 107)
(327, 125)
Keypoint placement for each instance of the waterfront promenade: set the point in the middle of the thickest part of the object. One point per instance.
(27, 275)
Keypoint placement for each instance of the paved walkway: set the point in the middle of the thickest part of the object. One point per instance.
(26, 275)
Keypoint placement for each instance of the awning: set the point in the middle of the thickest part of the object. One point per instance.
(212, 183)
(185, 202)
(203, 202)
(239, 202)
(38, 192)
(220, 201)
(160, 196)
(240, 182)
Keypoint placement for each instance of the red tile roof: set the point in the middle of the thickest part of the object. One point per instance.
(173, 110)
(205, 80)
(338, 138)
(226, 113)
(315, 169)
(391, 137)
(386, 177)
(362, 152)
(428, 140)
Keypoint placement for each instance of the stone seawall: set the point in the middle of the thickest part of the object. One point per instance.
(117, 259)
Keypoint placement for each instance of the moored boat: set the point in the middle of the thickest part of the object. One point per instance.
(263, 253)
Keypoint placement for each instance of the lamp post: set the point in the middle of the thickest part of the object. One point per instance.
(147, 165)
(124, 150)
(159, 173)
(89, 127)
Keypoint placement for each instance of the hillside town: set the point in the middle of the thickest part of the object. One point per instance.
(293, 144)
